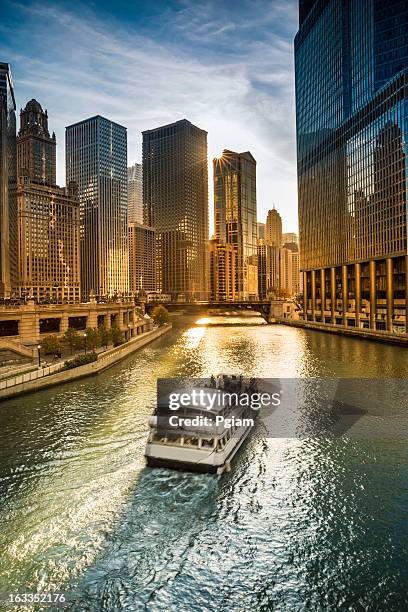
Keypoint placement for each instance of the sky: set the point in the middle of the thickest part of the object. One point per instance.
(225, 65)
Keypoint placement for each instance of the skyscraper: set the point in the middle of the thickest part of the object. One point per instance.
(351, 61)
(142, 258)
(235, 216)
(48, 216)
(273, 228)
(268, 270)
(48, 232)
(296, 280)
(36, 149)
(175, 198)
(261, 230)
(8, 185)
(96, 159)
(222, 271)
(135, 194)
(290, 237)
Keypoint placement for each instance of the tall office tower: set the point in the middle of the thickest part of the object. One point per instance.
(273, 228)
(135, 194)
(36, 149)
(142, 258)
(223, 259)
(352, 115)
(48, 232)
(290, 237)
(8, 185)
(96, 159)
(268, 270)
(175, 200)
(261, 230)
(235, 215)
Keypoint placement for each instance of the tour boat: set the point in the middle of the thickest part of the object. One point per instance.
(203, 440)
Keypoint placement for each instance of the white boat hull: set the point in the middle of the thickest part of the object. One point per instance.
(201, 460)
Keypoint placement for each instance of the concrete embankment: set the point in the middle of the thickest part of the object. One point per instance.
(366, 334)
(105, 360)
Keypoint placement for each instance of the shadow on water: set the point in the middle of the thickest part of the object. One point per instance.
(150, 544)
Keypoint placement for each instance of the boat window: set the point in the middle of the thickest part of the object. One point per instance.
(207, 443)
(190, 441)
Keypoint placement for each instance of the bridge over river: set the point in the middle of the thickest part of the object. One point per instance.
(265, 307)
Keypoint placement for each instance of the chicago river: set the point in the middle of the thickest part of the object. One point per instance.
(297, 523)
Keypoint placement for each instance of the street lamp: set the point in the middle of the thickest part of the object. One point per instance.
(39, 355)
(85, 342)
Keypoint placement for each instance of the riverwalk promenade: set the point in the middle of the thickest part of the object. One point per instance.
(54, 375)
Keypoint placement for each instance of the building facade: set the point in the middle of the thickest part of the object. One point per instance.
(48, 216)
(96, 159)
(48, 235)
(351, 62)
(135, 194)
(268, 270)
(8, 186)
(297, 276)
(261, 230)
(273, 228)
(235, 216)
(36, 149)
(223, 259)
(175, 200)
(290, 237)
(142, 258)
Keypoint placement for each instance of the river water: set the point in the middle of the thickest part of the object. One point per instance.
(298, 524)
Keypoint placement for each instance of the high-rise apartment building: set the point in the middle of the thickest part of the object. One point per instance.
(96, 159)
(135, 194)
(36, 149)
(351, 61)
(175, 200)
(8, 186)
(142, 258)
(261, 230)
(273, 228)
(235, 216)
(223, 259)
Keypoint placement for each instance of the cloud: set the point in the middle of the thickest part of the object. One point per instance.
(228, 70)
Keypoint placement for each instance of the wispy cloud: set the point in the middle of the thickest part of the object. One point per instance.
(228, 70)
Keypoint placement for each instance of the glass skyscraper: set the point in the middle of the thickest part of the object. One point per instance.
(96, 159)
(8, 185)
(235, 216)
(175, 200)
(351, 62)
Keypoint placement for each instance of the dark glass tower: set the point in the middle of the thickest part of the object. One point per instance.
(8, 186)
(235, 216)
(175, 200)
(96, 160)
(351, 63)
(36, 149)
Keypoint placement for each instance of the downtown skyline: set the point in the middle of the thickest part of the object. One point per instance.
(243, 98)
